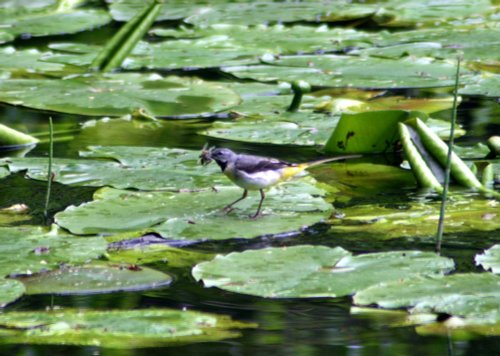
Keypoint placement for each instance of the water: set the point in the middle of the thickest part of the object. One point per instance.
(286, 327)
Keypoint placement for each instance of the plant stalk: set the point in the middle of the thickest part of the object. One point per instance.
(439, 236)
(49, 170)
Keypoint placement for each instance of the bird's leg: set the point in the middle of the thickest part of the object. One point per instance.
(229, 208)
(262, 197)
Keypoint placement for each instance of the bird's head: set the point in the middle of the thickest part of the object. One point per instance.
(220, 155)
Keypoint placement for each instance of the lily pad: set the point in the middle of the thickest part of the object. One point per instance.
(476, 297)
(223, 11)
(10, 291)
(28, 62)
(418, 217)
(120, 94)
(197, 215)
(27, 250)
(490, 259)
(313, 271)
(487, 85)
(35, 24)
(95, 278)
(145, 168)
(143, 328)
(4, 172)
(351, 71)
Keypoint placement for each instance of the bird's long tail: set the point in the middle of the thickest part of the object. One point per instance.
(296, 169)
(326, 160)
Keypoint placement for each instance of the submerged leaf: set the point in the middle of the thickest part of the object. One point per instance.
(313, 271)
(122, 329)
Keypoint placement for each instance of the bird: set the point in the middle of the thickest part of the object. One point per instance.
(252, 172)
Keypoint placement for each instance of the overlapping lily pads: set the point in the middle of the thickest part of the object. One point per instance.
(313, 271)
(120, 94)
(241, 12)
(352, 71)
(476, 297)
(146, 168)
(197, 215)
(95, 278)
(490, 259)
(117, 329)
(27, 250)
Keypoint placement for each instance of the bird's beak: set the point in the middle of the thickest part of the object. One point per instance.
(206, 155)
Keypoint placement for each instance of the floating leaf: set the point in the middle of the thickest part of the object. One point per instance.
(313, 271)
(27, 250)
(482, 85)
(351, 71)
(124, 329)
(223, 11)
(476, 297)
(490, 259)
(95, 278)
(27, 62)
(120, 94)
(35, 24)
(146, 168)
(197, 215)
(10, 290)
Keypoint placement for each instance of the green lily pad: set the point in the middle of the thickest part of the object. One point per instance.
(418, 218)
(171, 256)
(197, 215)
(313, 271)
(28, 250)
(10, 291)
(351, 71)
(4, 172)
(490, 259)
(121, 329)
(411, 13)
(299, 128)
(37, 24)
(95, 278)
(145, 168)
(223, 11)
(28, 61)
(120, 94)
(486, 85)
(476, 297)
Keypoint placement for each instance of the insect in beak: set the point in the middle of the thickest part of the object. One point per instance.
(206, 155)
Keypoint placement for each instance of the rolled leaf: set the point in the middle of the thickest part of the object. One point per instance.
(420, 169)
(459, 170)
(11, 137)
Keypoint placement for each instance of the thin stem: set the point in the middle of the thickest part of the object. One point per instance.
(439, 237)
(49, 171)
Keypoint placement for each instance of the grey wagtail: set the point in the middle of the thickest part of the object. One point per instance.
(256, 172)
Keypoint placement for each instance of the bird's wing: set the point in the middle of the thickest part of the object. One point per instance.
(253, 164)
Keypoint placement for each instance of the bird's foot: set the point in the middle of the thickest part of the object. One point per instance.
(255, 216)
(227, 209)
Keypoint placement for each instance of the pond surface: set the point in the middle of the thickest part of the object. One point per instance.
(372, 205)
